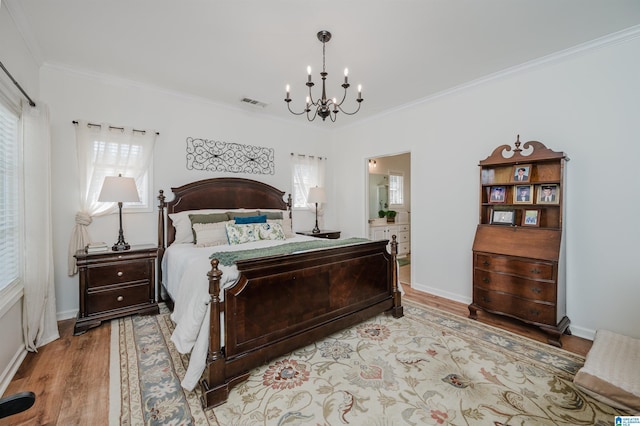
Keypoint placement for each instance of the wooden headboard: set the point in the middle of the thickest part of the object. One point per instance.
(218, 193)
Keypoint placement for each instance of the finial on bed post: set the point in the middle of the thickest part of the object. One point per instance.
(215, 372)
(397, 311)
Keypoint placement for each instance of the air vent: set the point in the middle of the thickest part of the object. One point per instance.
(253, 102)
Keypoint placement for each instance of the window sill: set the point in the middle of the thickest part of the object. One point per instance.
(10, 295)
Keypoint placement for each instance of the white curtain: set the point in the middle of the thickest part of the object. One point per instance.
(308, 172)
(39, 311)
(104, 150)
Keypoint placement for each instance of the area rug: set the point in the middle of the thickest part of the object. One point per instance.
(429, 367)
(403, 261)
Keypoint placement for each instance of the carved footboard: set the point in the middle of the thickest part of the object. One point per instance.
(282, 303)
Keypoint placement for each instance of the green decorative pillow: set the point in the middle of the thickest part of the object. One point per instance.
(240, 234)
(271, 231)
(271, 214)
(242, 213)
(286, 226)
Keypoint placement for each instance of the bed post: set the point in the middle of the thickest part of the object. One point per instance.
(161, 241)
(215, 390)
(397, 310)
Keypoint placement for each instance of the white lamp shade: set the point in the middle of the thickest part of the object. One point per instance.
(119, 189)
(317, 195)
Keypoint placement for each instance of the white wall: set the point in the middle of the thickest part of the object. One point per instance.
(73, 96)
(587, 105)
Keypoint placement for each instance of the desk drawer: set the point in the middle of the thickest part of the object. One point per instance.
(534, 270)
(527, 310)
(522, 287)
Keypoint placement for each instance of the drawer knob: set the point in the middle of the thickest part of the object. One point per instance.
(120, 298)
(534, 312)
(535, 271)
(486, 263)
(536, 290)
(486, 299)
(120, 273)
(486, 280)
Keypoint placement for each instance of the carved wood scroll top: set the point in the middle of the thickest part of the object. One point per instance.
(530, 151)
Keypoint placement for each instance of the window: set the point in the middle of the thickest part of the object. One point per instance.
(104, 150)
(307, 172)
(10, 190)
(109, 156)
(396, 189)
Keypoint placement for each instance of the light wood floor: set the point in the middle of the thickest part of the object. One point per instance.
(70, 376)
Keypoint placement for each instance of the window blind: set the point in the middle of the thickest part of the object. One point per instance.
(10, 258)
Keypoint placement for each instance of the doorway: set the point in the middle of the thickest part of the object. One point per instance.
(389, 205)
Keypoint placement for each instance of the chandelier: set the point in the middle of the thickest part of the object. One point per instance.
(322, 106)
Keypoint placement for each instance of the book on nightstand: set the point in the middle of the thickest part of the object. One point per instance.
(96, 247)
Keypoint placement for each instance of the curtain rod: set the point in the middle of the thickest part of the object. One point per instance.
(113, 127)
(6, 71)
(310, 156)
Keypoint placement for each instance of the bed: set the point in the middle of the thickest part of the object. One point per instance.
(269, 305)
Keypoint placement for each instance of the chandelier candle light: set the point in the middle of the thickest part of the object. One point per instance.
(316, 195)
(120, 189)
(324, 107)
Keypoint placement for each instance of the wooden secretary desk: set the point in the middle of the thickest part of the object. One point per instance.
(518, 252)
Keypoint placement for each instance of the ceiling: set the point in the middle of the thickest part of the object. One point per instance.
(401, 51)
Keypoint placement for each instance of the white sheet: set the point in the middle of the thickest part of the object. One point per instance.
(184, 272)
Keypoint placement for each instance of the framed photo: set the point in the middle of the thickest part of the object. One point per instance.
(523, 194)
(521, 173)
(498, 195)
(531, 217)
(548, 194)
(503, 217)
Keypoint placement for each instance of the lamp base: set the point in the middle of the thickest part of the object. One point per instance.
(120, 246)
(316, 230)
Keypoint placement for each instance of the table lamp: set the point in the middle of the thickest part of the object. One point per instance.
(316, 195)
(119, 189)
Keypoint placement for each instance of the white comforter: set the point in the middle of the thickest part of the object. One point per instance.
(184, 272)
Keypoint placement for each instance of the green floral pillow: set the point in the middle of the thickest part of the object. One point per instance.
(271, 231)
(242, 233)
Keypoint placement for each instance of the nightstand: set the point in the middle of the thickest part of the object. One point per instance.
(331, 235)
(115, 284)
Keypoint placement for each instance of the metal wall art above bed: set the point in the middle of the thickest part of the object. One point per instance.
(217, 156)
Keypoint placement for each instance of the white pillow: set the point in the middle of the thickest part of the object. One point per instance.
(271, 231)
(242, 233)
(211, 234)
(182, 223)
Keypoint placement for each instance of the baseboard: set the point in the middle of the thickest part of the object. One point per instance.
(65, 315)
(12, 368)
(585, 333)
(437, 292)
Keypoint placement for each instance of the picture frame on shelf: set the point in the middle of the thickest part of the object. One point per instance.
(548, 194)
(523, 194)
(531, 217)
(521, 173)
(498, 194)
(503, 217)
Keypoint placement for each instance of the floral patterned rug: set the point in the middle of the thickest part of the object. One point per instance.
(429, 367)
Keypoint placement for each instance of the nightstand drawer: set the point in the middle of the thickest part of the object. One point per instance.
(118, 273)
(115, 297)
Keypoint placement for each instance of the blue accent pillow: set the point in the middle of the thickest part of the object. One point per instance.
(250, 219)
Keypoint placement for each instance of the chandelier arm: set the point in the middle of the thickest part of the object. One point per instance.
(293, 112)
(315, 112)
(349, 113)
